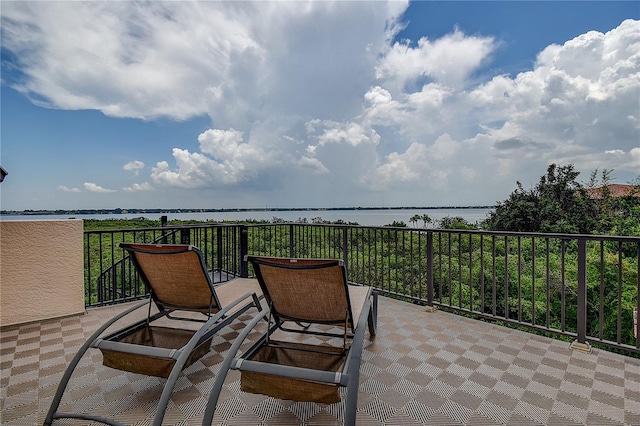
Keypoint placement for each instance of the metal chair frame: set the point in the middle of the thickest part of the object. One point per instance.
(210, 326)
(348, 376)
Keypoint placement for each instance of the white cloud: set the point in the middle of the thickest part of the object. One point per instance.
(194, 171)
(382, 109)
(134, 166)
(443, 147)
(128, 59)
(226, 159)
(634, 159)
(312, 164)
(449, 60)
(181, 60)
(572, 107)
(404, 167)
(137, 187)
(92, 187)
(350, 133)
(66, 189)
(564, 110)
(315, 94)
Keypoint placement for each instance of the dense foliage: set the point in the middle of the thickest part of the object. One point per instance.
(561, 204)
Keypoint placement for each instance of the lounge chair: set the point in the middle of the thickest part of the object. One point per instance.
(190, 310)
(305, 297)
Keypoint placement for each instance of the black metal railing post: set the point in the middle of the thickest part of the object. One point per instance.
(163, 224)
(636, 314)
(185, 236)
(244, 251)
(581, 343)
(345, 251)
(292, 242)
(219, 248)
(430, 268)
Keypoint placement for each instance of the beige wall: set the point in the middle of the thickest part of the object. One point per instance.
(41, 270)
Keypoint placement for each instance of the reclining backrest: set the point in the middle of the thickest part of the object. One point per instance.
(307, 290)
(176, 274)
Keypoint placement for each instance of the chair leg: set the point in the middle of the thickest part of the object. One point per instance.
(373, 315)
(76, 359)
(65, 381)
(214, 324)
(226, 365)
(353, 368)
(351, 403)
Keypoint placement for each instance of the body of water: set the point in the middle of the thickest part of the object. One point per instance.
(363, 217)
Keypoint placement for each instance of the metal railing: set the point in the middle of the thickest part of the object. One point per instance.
(582, 287)
(110, 277)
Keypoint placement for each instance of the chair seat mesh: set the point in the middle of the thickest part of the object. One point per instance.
(159, 337)
(296, 355)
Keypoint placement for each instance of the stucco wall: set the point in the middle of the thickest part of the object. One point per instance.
(41, 270)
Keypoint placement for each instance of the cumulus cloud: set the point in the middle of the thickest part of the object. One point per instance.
(318, 94)
(635, 157)
(225, 159)
(312, 164)
(137, 187)
(92, 187)
(134, 166)
(331, 132)
(130, 59)
(401, 167)
(66, 189)
(448, 61)
(166, 59)
(566, 110)
(427, 165)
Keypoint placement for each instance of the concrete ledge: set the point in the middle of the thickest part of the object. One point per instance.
(41, 270)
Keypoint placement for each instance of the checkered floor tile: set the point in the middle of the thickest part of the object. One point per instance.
(423, 367)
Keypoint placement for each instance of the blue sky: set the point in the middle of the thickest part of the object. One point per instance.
(321, 104)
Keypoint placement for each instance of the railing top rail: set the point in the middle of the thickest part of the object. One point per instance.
(161, 228)
(622, 238)
(626, 238)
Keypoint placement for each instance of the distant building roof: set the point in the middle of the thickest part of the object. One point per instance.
(615, 189)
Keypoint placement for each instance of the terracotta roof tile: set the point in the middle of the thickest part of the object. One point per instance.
(617, 190)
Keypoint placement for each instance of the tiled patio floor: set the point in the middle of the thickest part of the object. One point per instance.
(422, 368)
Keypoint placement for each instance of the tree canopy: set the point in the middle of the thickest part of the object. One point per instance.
(561, 204)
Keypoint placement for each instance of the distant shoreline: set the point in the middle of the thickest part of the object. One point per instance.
(255, 209)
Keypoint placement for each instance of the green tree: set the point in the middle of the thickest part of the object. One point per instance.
(617, 215)
(558, 203)
(398, 224)
(455, 222)
(519, 212)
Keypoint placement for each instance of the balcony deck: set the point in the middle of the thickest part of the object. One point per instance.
(422, 368)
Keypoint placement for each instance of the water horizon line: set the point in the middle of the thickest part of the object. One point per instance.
(116, 211)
